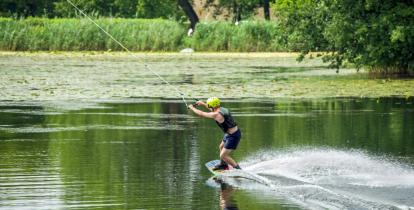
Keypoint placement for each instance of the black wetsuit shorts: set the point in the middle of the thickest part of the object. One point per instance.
(232, 140)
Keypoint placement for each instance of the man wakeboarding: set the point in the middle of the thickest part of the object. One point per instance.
(225, 121)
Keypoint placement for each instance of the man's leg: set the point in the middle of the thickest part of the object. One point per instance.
(222, 165)
(221, 147)
(225, 155)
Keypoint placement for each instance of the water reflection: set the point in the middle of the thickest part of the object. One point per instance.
(227, 202)
(111, 155)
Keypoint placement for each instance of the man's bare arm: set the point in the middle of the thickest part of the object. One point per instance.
(201, 103)
(211, 115)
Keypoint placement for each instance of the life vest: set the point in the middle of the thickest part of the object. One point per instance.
(228, 120)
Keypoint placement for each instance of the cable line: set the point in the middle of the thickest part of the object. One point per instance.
(127, 50)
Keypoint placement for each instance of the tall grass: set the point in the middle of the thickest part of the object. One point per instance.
(81, 34)
(248, 36)
(41, 34)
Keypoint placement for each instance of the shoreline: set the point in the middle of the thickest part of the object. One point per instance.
(124, 53)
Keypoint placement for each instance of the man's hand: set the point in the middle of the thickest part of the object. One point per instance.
(201, 103)
(198, 112)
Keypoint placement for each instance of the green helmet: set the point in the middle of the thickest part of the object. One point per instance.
(213, 102)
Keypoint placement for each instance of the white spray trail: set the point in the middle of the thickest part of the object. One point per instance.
(328, 178)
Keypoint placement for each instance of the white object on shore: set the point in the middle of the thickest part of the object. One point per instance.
(190, 32)
(187, 50)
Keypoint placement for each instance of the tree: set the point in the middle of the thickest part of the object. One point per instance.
(23, 8)
(239, 9)
(378, 35)
(168, 9)
(125, 8)
(303, 23)
(95, 8)
(375, 34)
(266, 9)
(189, 11)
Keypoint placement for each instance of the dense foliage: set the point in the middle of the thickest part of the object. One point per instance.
(169, 9)
(368, 33)
(239, 8)
(114, 8)
(20, 8)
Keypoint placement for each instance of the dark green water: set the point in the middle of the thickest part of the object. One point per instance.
(151, 155)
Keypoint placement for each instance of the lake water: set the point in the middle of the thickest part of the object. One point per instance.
(349, 153)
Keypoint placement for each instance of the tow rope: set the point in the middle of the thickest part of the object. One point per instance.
(182, 95)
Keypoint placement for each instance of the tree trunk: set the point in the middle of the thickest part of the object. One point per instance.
(237, 12)
(189, 11)
(266, 9)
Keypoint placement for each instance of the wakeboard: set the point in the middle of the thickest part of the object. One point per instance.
(244, 175)
(210, 166)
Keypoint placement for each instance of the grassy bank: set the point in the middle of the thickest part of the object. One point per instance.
(252, 36)
(40, 34)
(80, 34)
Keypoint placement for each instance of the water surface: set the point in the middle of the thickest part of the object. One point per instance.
(346, 153)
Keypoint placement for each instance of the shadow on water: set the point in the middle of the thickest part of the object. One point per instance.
(330, 153)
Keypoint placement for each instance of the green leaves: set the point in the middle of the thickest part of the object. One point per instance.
(97, 8)
(369, 33)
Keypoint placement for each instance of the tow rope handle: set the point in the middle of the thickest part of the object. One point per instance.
(195, 103)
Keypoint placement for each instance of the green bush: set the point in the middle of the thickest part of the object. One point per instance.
(378, 35)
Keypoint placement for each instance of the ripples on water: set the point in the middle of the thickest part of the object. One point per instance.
(345, 154)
